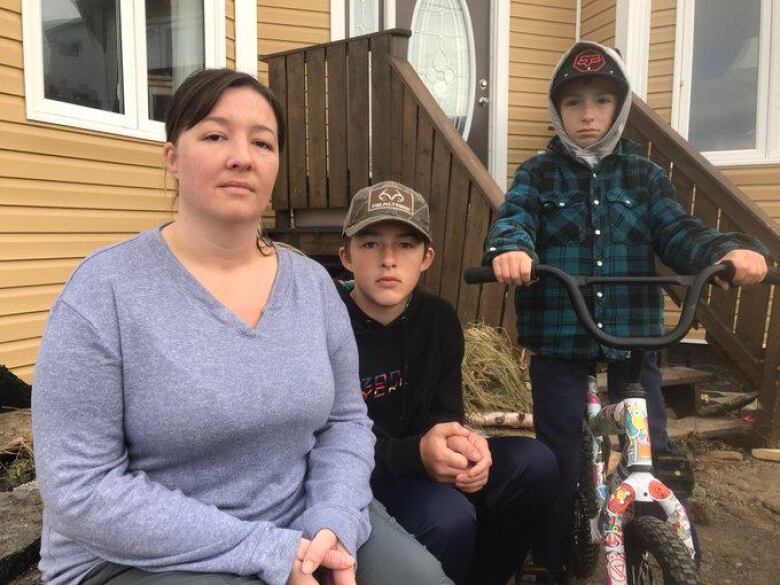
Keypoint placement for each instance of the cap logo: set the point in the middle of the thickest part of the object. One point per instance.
(390, 198)
(589, 61)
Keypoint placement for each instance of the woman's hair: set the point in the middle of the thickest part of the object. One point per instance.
(199, 93)
(197, 96)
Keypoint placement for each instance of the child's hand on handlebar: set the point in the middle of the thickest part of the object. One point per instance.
(513, 268)
(749, 268)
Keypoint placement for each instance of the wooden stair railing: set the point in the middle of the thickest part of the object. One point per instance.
(344, 136)
(736, 320)
(357, 114)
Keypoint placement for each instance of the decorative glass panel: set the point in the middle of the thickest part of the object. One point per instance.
(441, 51)
(172, 52)
(82, 53)
(363, 17)
(724, 88)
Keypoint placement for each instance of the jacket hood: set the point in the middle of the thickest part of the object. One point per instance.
(592, 155)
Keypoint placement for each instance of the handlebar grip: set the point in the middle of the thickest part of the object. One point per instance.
(772, 276)
(479, 275)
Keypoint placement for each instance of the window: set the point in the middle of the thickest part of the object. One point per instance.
(728, 98)
(112, 65)
(364, 17)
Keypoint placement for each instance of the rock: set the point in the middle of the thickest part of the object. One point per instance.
(20, 530)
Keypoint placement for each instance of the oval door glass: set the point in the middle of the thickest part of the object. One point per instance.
(441, 50)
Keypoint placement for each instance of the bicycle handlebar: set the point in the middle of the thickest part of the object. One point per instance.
(695, 284)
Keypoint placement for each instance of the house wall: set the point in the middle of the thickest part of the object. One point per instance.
(760, 182)
(598, 21)
(65, 192)
(660, 67)
(540, 31)
(290, 24)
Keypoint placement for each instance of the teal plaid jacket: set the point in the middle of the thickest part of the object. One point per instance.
(605, 221)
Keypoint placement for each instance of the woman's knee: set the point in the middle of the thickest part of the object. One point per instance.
(391, 555)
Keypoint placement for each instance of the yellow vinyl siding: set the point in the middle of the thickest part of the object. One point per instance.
(230, 33)
(598, 21)
(660, 68)
(27, 326)
(64, 192)
(539, 32)
(761, 184)
(291, 24)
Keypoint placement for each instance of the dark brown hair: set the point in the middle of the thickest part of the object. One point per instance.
(199, 93)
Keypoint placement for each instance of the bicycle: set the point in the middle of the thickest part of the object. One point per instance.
(639, 548)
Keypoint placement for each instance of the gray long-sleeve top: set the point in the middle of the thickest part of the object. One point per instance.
(169, 435)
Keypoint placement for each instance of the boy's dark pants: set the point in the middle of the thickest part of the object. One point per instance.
(482, 538)
(559, 389)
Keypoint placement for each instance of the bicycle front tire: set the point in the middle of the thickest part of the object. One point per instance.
(655, 555)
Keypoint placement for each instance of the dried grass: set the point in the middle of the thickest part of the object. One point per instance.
(19, 469)
(495, 372)
(694, 444)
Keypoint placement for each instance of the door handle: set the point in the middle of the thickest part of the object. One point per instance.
(483, 101)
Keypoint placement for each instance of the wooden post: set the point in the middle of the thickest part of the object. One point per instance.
(768, 424)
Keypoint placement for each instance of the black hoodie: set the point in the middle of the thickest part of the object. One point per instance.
(410, 376)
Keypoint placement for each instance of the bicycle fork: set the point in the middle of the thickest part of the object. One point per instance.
(633, 480)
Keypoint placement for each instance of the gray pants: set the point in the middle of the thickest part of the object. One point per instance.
(391, 556)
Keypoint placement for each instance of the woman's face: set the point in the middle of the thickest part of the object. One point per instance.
(227, 163)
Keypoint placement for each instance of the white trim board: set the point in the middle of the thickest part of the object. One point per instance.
(498, 124)
(246, 36)
(338, 25)
(632, 38)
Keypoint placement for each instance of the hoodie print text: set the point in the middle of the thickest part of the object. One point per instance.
(380, 386)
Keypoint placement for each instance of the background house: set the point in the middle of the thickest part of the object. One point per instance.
(84, 84)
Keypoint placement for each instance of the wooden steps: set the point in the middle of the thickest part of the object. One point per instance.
(680, 386)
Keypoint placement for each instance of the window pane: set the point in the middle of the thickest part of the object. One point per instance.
(724, 89)
(440, 52)
(174, 48)
(82, 53)
(363, 17)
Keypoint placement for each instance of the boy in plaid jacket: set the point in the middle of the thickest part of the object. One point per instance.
(591, 205)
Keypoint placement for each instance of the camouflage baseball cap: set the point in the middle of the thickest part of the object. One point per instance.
(388, 201)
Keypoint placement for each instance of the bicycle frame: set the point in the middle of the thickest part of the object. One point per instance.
(633, 481)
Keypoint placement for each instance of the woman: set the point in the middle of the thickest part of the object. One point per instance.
(196, 407)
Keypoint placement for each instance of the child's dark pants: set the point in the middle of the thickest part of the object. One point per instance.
(559, 389)
(482, 538)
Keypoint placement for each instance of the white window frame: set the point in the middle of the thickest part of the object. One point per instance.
(767, 149)
(134, 122)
